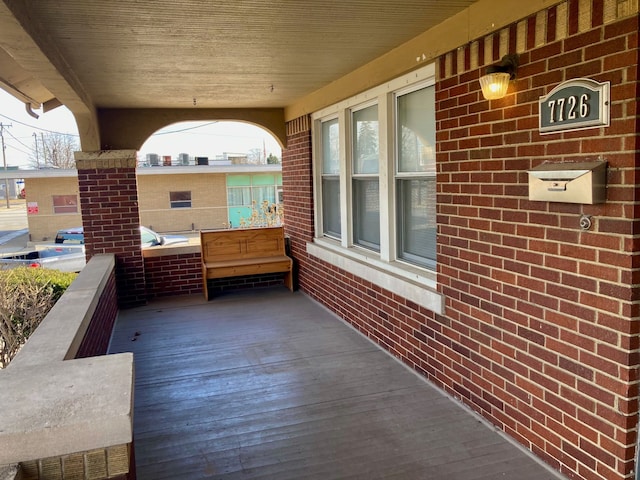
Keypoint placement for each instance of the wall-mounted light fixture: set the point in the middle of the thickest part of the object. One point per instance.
(496, 80)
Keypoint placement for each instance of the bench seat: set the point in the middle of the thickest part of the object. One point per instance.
(247, 266)
(240, 252)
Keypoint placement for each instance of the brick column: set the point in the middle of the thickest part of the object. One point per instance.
(110, 217)
(297, 182)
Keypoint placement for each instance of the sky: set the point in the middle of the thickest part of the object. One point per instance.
(203, 139)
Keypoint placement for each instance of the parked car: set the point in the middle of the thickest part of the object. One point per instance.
(148, 237)
(65, 259)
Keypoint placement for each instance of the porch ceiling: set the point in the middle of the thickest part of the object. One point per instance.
(91, 54)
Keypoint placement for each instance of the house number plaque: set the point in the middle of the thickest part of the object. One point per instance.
(575, 105)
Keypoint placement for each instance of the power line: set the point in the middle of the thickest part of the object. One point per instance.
(13, 147)
(184, 129)
(17, 140)
(75, 135)
(38, 128)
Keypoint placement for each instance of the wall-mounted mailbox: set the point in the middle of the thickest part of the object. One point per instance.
(582, 182)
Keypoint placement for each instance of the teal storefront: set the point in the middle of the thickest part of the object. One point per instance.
(253, 198)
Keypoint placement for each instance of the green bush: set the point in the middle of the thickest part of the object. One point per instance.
(26, 296)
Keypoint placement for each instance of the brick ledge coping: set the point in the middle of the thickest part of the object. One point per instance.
(55, 405)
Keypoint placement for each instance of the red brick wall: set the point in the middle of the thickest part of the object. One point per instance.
(542, 313)
(297, 185)
(540, 330)
(98, 334)
(246, 282)
(173, 275)
(182, 275)
(110, 217)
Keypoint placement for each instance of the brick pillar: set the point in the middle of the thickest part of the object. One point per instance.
(297, 182)
(110, 217)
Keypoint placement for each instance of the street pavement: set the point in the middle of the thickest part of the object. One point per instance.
(14, 229)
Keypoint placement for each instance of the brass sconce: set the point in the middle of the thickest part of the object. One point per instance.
(496, 80)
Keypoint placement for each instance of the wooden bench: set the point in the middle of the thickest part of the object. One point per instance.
(236, 252)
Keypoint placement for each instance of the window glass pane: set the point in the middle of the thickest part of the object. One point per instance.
(417, 221)
(416, 131)
(330, 147)
(365, 140)
(180, 199)
(239, 196)
(179, 196)
(331, 206)
(260, 194)
(331, 179)
(65, 204)
(366, 213)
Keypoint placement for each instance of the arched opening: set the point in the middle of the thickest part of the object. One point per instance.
(206, 175)
(126, 129)
(219, 142)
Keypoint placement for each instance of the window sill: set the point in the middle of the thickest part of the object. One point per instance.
(414, 284)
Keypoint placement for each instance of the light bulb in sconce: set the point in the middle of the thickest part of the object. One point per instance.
(495, 82)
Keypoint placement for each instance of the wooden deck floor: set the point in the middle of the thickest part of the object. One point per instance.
(268, 385)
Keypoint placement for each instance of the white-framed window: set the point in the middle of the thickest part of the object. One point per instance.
(375, 186)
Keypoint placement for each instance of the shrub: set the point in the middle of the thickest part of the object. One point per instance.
(26, 296)
(267, 215)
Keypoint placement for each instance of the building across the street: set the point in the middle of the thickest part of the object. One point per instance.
(177, 199)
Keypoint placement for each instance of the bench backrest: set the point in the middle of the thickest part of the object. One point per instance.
(237, 243)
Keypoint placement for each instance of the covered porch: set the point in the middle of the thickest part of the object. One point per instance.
(267, 384)
(524, 310)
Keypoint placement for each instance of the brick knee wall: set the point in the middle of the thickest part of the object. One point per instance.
(96, 339)
(110, 463)
(173, 275)
(181, 274)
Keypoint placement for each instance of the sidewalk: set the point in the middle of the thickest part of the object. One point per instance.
(14, 229)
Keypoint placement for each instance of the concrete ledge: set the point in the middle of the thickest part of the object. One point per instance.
(65, 407)
(170, 250)
(53, 405)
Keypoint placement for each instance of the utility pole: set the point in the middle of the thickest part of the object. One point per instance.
(44, 150)
(4, 161)
(35, 139)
